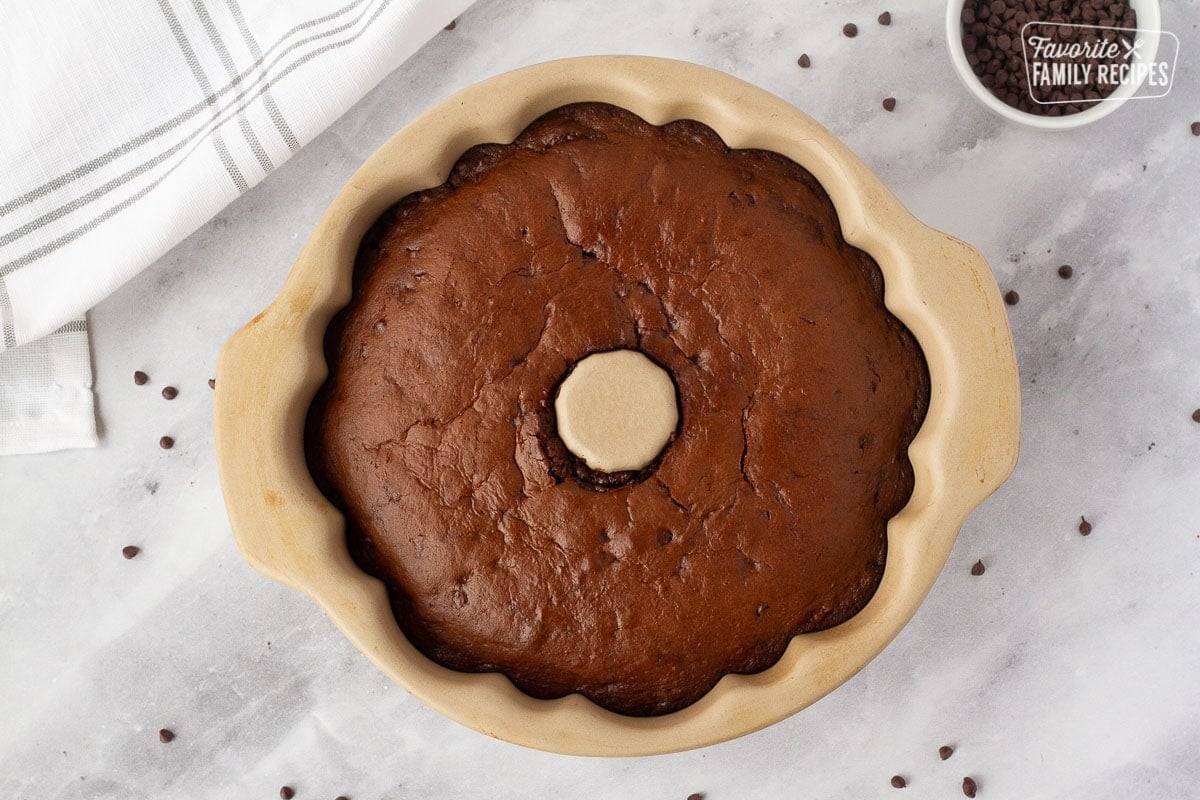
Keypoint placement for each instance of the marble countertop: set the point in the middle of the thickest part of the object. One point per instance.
(1068, 670)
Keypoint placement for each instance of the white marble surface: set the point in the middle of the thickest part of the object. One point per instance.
(1069, 670)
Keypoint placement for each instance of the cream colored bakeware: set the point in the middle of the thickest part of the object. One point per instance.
(941, 288)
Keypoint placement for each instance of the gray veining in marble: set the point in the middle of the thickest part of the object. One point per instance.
(1071, 669)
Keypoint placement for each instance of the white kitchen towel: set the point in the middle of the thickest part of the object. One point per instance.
(46, 393)
(127, 124)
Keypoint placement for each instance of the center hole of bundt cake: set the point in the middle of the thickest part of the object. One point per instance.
(616, 411)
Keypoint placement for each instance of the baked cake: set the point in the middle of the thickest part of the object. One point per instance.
(764, 515)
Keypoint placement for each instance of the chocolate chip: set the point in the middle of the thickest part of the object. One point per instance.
(889, 104)
(1196, 129)
(130, 551)
(970, 787)
(945, 751)
(170, 393)
(341, 797)
(1011, 297)
(453, 24)
(804, 61)
(1085, 527)
(1065, 271)
(140, 378)
(1196, 415)
(663, 537)
(286, 792)
(977, 568)
(885, 18)
(212, 383)
(850, 30)
(898, 782)
(165, 736)
(696, 796)
(166, 443)
(992, 32)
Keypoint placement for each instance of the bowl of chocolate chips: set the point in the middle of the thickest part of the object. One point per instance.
(1054, 64)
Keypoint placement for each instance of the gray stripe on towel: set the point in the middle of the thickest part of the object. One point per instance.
(285, 130)
(189, 55)
(248, 133)
(67, 238)
(149, 135)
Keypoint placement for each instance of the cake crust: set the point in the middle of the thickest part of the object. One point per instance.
(798, 396)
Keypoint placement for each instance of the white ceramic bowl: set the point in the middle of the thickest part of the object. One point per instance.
(1149, 20)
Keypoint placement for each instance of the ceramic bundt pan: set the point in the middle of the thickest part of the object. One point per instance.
(939, 287)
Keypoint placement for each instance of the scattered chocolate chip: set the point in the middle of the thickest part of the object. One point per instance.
(166, 443)
(898, 782)
(140, 378)
(341, 797)
(1196, 415)
(453, 24)
(165, 736)
(1085, 527)
(170, 393)
(1011, 297)
(850, 30)
(1196, 129)
(212, 383)
(945, 751)
(889, 104)
(286, 792)
(885, 18)
(663, 537)
(1065, 271)
(696, 796)
(977, 568)
(130, 551)
(970, 787)
(804, 61)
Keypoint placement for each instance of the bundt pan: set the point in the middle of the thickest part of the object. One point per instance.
(939, 287)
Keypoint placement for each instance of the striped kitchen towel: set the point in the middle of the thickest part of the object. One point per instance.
(124, 126)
